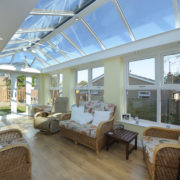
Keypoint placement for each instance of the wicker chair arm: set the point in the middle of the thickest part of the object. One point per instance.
(10, 134)
(42, 114)
(162, 132)
(104, 127)
(15, 158)
(166, 156)
(65, 116)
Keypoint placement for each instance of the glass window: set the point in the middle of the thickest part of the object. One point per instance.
(37, 65)
(62, 5)
(97, 95)
(79, 34)
(144, 106)
(147, 18)
(53, 52)
(32, 22)
(5, 60)
(81, 96)
(60, 80)
(172, 69)
(60, 42)
(54, 81)
(18, 45)
(170, 107)
(24, 58)
(108, 26)
(82, 78)
(139, 74)
(98, 76)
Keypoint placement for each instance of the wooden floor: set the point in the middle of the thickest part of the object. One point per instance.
(57, 158)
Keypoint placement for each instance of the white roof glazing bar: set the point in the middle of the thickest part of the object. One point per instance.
(21, 31)
(33, 61)
(7, 54)
(23, 41)
(118, 8)
(48, 55)
(40, 60)
(75, 45)
(176, 13)
(46, 12)
(58, 50)
(92, 33)
(15, 49)
(12, 59)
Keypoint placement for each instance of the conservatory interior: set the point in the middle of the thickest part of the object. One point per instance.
(80, 76)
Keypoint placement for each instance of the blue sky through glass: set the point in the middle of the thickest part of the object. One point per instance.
(20, 58)
(108, 25)
(82, 37)
(60, 42)
(148, 17)
(5, 60)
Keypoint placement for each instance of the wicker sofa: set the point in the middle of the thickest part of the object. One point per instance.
(15, 159)
(90, 136)
(162, 152)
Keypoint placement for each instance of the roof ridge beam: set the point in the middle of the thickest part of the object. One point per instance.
(46, 12)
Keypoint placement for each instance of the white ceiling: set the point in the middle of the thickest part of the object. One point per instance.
(12, 14)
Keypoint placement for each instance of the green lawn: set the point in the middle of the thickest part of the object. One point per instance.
(7, 110)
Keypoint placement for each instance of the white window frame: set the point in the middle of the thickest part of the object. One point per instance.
(58, 81)
(159, 82)
(89, 85)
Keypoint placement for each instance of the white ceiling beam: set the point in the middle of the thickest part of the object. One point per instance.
(72, 43)
(23, 41)
(21, 31)
(92, 7)
(92, 33)
(46, 12)
(138, 45)
(176, 13)
(118, 8)
(58, 50)
(48, 55)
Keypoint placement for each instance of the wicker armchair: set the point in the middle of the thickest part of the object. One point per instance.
(165, 162)
(49, 122)
(15, 160)
(96, 143)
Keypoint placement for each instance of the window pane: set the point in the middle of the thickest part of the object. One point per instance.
(61, 43)
(98, 76)
(5, 60)
(172, 69)
(79, 34)
(24, 58)
(81, 96)
(82, 78)
(53, 52)
(18, 45)
(148, 17)
(53, 95)
(142, 104)
(108, 26)
(170, 107)
(54, 80)
(139, 74)
(97, 95)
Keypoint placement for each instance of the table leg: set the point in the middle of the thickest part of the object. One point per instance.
(127, 151)
(136, 143)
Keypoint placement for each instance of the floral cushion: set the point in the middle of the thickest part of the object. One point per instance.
(14, 142)
(85, 129)
(150, 143)
(91, 106)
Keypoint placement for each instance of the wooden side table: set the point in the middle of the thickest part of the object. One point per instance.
(123, 136)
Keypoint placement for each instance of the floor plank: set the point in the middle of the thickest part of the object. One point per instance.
(55, 157)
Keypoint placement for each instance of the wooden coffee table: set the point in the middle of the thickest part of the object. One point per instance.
(123, 136)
